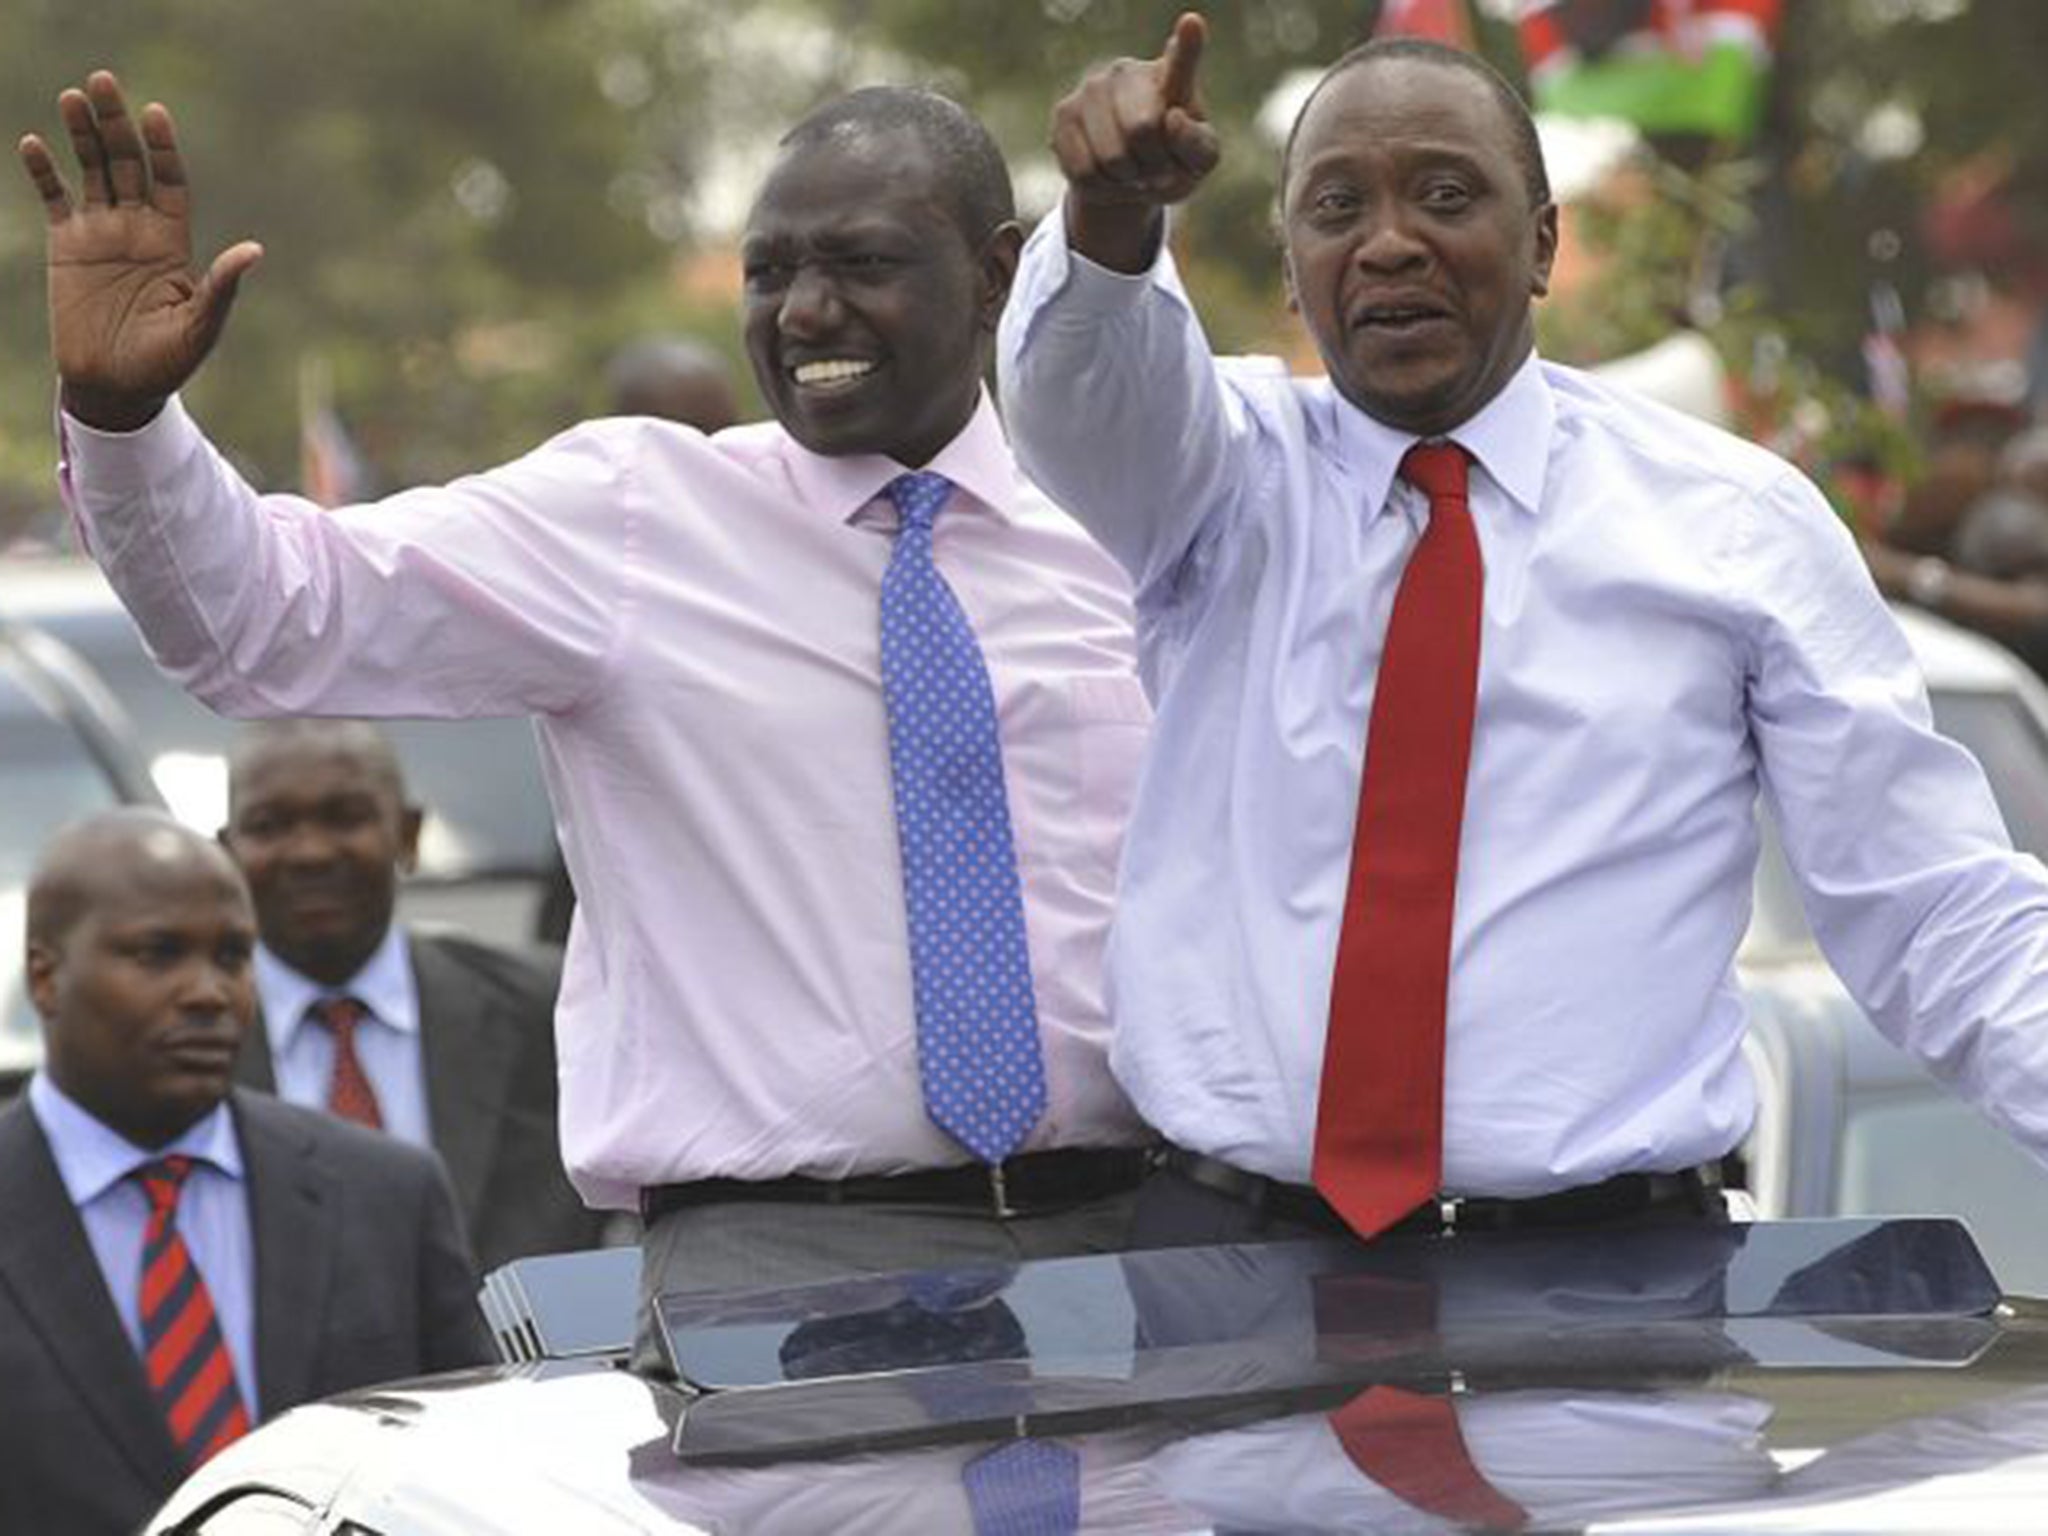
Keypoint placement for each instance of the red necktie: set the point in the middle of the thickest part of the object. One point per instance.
(1379, 1119)
(183, 1352)
(1411, 1446)
(349, 1093)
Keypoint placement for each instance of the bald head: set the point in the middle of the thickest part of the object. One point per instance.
(112, 853)
(138, 959)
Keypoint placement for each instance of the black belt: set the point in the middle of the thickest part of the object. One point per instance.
(1017, 1186)
(1626, 1194)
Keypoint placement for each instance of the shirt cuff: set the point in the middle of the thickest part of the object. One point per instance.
(97, 465)
(1091, 292)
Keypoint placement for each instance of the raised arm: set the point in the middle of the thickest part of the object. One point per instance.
(1113, 400)
(130, 317)
(1131, 139)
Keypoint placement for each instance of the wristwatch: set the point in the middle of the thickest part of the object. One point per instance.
(1928, 580)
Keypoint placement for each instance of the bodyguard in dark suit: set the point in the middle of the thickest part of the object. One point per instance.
(292, 1257)
(449, 1042)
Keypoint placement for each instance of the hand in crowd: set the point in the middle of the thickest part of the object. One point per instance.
(1131, 139)
(130, 318)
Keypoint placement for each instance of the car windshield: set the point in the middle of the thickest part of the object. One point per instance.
(47, 777)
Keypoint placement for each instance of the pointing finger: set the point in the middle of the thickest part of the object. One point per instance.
(1183, 55)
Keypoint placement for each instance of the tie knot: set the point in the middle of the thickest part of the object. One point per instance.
(1436, 469)
(918, 496)
(163, 1179)
(340, 1015)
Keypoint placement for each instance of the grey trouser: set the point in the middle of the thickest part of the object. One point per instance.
(750, 1244)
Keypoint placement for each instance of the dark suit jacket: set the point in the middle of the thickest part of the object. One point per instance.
(361, 1277)
(487, 1032)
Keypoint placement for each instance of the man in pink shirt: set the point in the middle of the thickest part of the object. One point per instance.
(840, 755)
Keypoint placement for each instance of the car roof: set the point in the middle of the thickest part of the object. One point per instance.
(1758, 1378)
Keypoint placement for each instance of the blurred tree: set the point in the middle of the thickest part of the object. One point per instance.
(1871, 104)
(468, 203)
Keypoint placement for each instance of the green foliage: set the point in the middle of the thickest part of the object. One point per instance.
(455, 212)
(467, 203)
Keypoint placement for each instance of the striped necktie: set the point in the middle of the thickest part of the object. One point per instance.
(977, 1017)
(183, 1352)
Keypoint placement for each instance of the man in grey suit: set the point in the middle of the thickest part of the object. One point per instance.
(439, 1039)
(180, 1259)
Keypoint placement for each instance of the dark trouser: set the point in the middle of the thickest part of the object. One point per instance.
(1178, 1211)
(749, 1245)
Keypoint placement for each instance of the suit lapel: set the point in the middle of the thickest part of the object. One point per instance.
(47, 1263)
(292, 1220)
(468, 1069)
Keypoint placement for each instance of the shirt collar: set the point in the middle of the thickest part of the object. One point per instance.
(92, 1157)
(977, 461)
(384, 986)
(1509, 438)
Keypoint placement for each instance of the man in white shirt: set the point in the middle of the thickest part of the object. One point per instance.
(761, 1007)
(435, 1037)
(1668, 624)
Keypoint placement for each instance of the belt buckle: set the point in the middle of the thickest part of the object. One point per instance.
(1447, 1214)
(999, 1193)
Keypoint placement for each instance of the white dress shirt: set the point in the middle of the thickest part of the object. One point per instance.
(1569, 1459)
(1674, 623)
(387, 1040)
(694, 623)
(95, 1162)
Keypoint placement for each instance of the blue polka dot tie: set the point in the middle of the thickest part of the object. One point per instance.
(1025, 1488)
(977, 1021)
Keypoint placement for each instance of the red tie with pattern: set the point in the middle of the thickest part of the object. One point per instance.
(1379, 1117)
(349, 1093)
(182, 1349)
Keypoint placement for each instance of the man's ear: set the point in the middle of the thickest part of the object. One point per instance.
(410, 820)
(1287, 280)
(1546, 250)
(39, 969)
(1000, 253)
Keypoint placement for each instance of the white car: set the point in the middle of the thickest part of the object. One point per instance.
(1849, 1124)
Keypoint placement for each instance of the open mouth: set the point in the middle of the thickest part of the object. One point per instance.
(1399, 319)
(831, 373)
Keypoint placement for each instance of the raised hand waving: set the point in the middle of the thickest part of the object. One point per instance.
(131, 319)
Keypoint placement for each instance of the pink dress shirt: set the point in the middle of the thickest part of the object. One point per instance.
(692, 623)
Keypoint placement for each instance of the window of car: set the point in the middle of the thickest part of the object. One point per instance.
(50, 773)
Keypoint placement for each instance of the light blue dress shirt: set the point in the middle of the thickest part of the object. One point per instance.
(213, 1214)
(387, 1042)
(1676, 625)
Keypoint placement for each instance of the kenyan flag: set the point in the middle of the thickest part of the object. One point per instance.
(1668, 66)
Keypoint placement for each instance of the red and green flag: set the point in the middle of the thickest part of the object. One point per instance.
(1667, 66)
